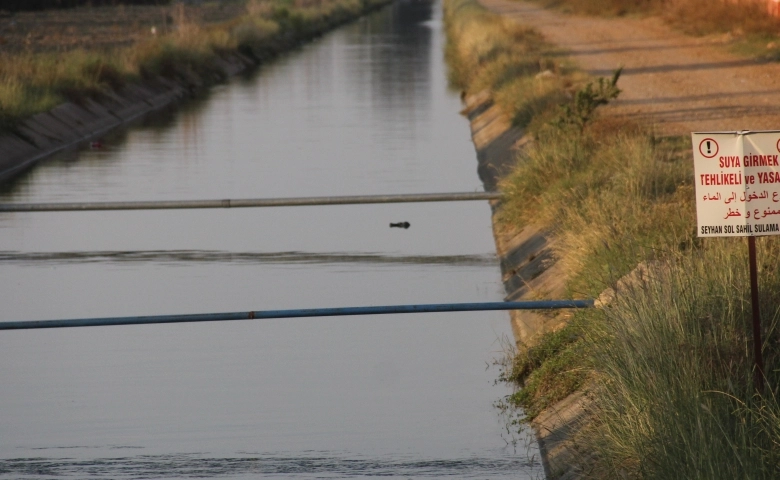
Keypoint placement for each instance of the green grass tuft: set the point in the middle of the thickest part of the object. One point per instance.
(548, 371)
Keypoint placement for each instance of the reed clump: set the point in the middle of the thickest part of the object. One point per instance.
(673, 379)
(187, 50)
(667, 363)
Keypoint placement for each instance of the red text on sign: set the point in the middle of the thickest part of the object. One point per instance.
(721, 179)
(768, 177)
(760, 161)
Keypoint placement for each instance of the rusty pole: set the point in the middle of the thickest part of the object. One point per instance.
(758, 368)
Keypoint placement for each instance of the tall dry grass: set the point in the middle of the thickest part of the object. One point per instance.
(612, 194)
(702, 17)
(673, 361)
(498, 55)
(32, 83)
(698, 17)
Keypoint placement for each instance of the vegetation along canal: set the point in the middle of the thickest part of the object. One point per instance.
(364, 110)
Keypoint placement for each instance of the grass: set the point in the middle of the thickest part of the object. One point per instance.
(674, 358)
(33, 82)
(547, 372)
(507, 59)
(667, 364)
(611, 193)
(699, 17)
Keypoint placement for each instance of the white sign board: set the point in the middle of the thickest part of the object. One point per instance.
(737, 183)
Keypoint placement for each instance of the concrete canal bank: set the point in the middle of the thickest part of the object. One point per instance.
(529, 272)
(70, 125)
(73, 124)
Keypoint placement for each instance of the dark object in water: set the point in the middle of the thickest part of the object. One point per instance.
(400, 225)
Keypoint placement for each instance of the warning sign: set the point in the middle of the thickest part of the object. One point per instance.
(737, 183)
(708, 147)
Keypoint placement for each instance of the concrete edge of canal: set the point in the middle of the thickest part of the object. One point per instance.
(529, 271)
(70, 125)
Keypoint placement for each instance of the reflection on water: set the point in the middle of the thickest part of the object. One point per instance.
(364, 110)
(251, 465)
(197, 256)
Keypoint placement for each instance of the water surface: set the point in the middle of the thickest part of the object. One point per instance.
(363, 110)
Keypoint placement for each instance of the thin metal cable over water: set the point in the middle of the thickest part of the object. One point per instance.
(248, 202)
(272, 314)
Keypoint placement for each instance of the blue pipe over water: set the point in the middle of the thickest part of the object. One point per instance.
(311, 312)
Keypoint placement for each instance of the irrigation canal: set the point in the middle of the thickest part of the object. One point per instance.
(363, 110)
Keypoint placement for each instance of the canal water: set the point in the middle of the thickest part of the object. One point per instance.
(363, 110)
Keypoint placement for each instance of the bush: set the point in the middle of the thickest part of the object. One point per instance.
(580, 111)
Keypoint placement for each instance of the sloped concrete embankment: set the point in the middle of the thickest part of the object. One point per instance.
(529, 272)
(69, 124)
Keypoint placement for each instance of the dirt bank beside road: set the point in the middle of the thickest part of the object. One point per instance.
(676, 82)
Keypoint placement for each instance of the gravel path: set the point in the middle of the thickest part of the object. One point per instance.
(676, 82)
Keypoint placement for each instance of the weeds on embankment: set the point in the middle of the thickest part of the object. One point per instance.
(673, 361)
(35, 82)
(667, 363)
(525, 75)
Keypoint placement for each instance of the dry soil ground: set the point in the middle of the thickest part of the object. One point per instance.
(677, 82)
(103, 27)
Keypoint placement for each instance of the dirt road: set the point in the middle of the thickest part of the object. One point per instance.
(676, 82)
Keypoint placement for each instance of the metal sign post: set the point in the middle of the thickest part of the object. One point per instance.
(737, 178)
(758, 371)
